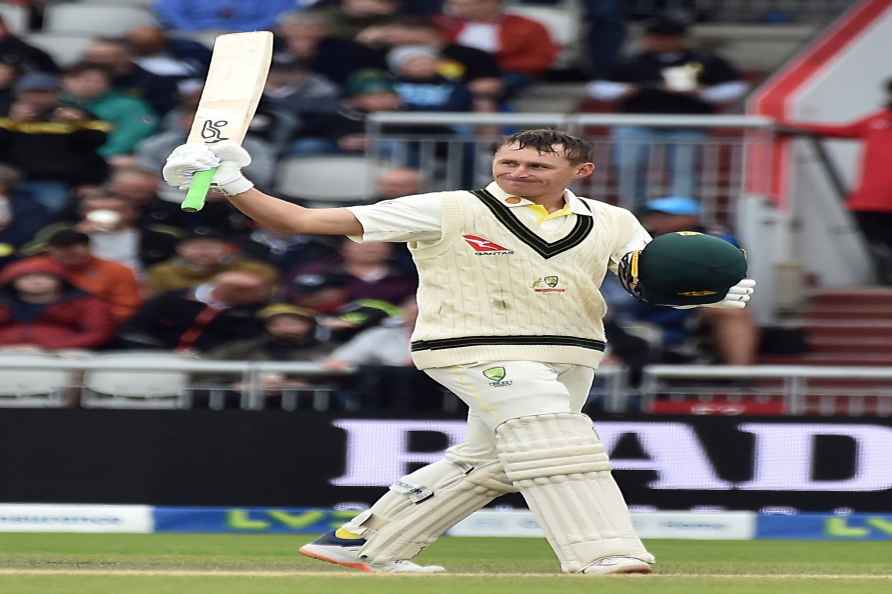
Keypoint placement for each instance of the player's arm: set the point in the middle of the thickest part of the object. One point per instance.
(269, 212)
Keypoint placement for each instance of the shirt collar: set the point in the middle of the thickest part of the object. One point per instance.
(577, 206)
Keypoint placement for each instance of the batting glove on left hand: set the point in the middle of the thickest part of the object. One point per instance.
(737, 298)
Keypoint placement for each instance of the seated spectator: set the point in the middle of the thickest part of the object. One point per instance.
(387, 344)
(473, 67)
(21, 215)
(41, 310)
(364, 271)
(162, 55)
(293, 88)
(419, 84)
(10, 72)
(90, 86)
(220, 15)
(308, 36)
(287, 251)
(112, 224)
(110, 282)
(677, 332)
(17, 51)
(350, 17)
(130, 78)
(202, 318)
(54, 145)
(198, 259)
(666, 77)
(152, 152)
(523, 47)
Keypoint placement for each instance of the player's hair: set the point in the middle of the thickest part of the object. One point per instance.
(576, 150)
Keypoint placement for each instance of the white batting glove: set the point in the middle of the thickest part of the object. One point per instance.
(738, 296)
(188, 159)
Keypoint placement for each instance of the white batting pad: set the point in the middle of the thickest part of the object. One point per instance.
(560, 466)
(421, 506)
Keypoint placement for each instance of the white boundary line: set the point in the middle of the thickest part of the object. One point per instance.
(355, 574)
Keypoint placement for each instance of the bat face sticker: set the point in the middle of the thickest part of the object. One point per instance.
(212, 131)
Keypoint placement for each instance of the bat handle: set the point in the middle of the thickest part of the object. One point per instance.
(201, 183)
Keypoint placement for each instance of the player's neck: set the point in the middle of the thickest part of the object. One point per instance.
(551, 202)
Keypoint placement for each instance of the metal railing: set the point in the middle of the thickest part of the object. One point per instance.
(743, 11)
(637, 157)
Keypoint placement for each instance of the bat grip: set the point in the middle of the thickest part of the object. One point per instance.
(201, 183)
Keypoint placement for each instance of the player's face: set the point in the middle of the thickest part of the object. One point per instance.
(527, 173)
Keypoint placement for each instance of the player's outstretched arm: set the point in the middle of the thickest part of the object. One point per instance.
(269, 212)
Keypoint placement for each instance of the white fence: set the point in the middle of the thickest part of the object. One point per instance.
(637, 157)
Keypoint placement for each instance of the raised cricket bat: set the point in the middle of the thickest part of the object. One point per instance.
(234, 84)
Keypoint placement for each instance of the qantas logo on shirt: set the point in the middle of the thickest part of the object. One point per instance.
(485, 247)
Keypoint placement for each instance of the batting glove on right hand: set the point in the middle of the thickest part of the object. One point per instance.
(188, 159)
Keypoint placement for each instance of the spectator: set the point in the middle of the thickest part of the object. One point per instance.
(220, 15)
(10, 72)
(21, 216)
(111, 222)
(202, 318)
(293, 88)
(678, 332)
(287, 251)
(54, 145)
(350, 17)
(364, 271)
(523, 47)
(27, 56)
(90, 86)
(41, 310)
(198, 259)
(871, 201)
(308, 37)
(419, 83)
(152, 152)
(387, 344)
(110, 282)
(130, 78)
(667, 77)
(473, 67)
(156, 52)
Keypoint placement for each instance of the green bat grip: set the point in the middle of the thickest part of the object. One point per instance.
(201, 183)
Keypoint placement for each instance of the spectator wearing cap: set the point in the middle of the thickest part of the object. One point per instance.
(53, 144)
(220, 15)
(666, 77)
(522, 46)
(198, 259)
(386, 344)
(202, 318)
(132, 120)
(419, 83)
(111, 282)
(15, 50)
(363, 271)
(41, 310)
(21, 215)
(705, 335)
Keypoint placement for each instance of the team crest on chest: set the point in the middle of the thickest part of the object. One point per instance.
(548, 284)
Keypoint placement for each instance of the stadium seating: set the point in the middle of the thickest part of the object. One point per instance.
(28, 388)
(125, 388)
(330, 179)
(15, 17)
(64, 48)
(95, 19)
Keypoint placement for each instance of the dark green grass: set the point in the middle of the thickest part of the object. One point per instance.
(684, 567)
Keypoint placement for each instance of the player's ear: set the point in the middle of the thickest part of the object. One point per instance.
(585, 170)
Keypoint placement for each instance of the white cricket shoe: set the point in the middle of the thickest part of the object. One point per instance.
(341, 547)
(618, 565)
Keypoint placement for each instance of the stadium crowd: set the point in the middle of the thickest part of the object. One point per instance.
(97, 255)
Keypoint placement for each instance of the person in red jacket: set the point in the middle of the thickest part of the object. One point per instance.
(41, 310)
(522, 46)
(871, 201)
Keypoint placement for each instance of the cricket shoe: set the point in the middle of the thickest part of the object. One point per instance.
(619, 565)
(341, 547)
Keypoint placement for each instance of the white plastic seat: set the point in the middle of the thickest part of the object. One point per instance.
(15, 17)
(327, 179)
(122, 387)
(30, 388)
(64, 48)
(95, 19)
